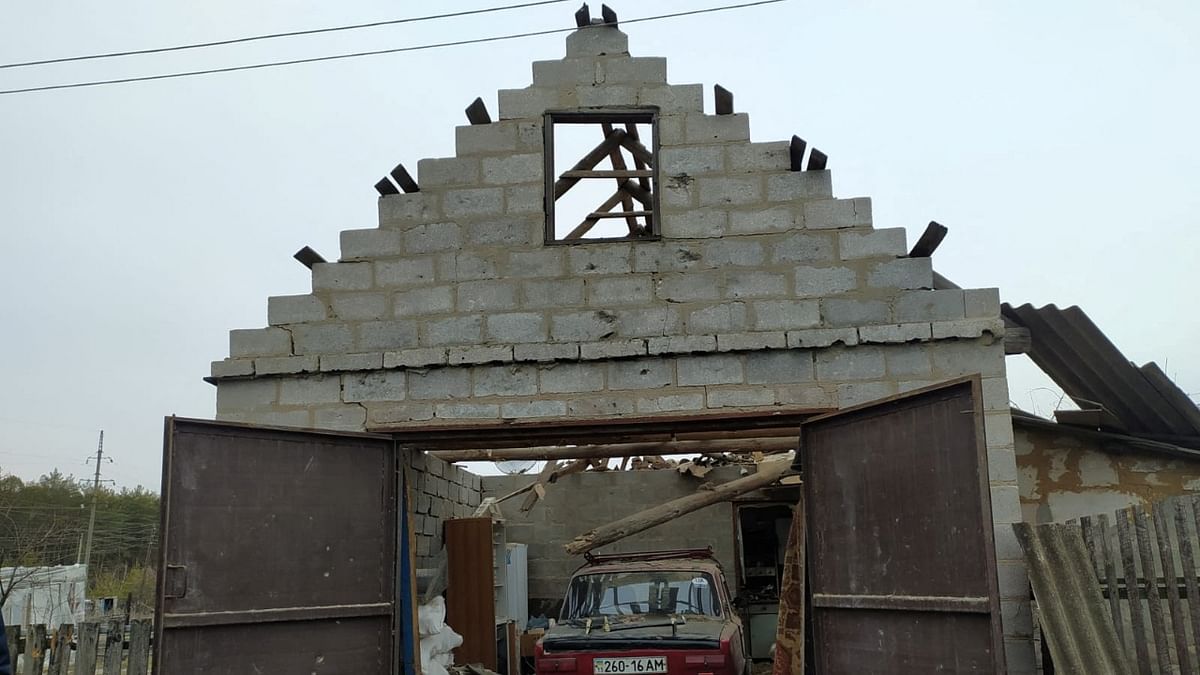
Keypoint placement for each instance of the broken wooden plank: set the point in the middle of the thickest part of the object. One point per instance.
(404, 179)
(1187, 559)
(1137, 618)
(385, 187)
(1141, 527)
(768, 473)
(817, 160)
(733, 445)
(789, 635)
(114, 645)
(477, 112)
(583, 16)
(542, 479)
(930, 239)
(723, 99)
(140, 631)
(796, 153)
(1162, 534)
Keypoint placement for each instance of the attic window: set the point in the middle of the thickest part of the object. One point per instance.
(606, 191)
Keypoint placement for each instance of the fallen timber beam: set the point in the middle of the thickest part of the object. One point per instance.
(555, 452)
(768, 473)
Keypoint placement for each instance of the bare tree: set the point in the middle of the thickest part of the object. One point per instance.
(24, 545)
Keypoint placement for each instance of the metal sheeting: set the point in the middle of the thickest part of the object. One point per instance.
(1073, 351)
(1076, 622)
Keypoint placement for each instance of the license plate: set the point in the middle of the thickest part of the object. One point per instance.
(629, 666)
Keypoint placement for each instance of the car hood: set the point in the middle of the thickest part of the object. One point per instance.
(697, 633)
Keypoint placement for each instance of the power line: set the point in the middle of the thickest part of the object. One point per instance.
(272, 36)
(395, 50)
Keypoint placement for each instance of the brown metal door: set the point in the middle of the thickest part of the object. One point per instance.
(279, 552)
(901, 557)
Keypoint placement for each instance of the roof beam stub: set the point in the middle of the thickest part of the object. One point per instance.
(477, 112)
(934, 233)
(724, 100)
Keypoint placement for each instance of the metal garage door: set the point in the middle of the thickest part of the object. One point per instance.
(280, 552)
(901, 557)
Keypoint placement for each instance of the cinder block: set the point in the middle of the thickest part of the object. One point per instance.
(968, 328)
(435, 237)
(344, 362)
(953, 358)
(360, 306)
(509, 380)
(283, 365)
(995, 394)
(341, 276)
(671, 120)
(483, 139)
(415, 358)
(398, 413)
(726, 252)
(786, 314)
(1019, 657)
(565, 72)
(710, 369)
(731, 342)
(998, 429)
(372, 243)
(611, 349)
(285, 309)
(570, 378)
(322, 338)
(674, 98)
(545, 352)
(893, 333)
(583, 326)
(548, 262)
(812, 396)
(525, 168)
(599, 406)
(905, 273)
(648, 322)
(466, 267)
(729, 317)
(486, 296)
(525, 103)
(641, 374)
(797, 185)
(552, 294)
(635, 70)
(455, 330)
(1016, 618)
(982, 303)
(599, 96)
(623, 290)
(310, 390)
(779, 366)
(837, 213)
(525, 200)
(805, 248)
(422, 301)
(855, 393)
(689, 287)
(516, 327)
(851, 363)
(820, 282)
(407, 209)
(885, 243)
(676, 256)
(694, 160)
(1002, 465)
(717, 128)
(232, 368)
(476, 354)
(597, 41)
(695, 224)
(529, 409)
(909, 361)
(467, 410)
(447, 171)
(940, 305)
(740, 398)
(759, 157)
(601, 259)
(259, 342)
(439, 383)
(404, 272)
(279, 418)
(745, 284)
(470, 202)
(678, 193)
(730, 191)
(681, 344)
(777, 219)
(505, 232)
(377, 386)
(821, 337)
(845, 312)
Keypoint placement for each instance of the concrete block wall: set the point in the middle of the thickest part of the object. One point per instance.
(578, 502)
(439, 492)
(763, 291)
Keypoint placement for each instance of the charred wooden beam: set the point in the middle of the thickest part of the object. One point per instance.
(796, 153)
(817, 160)
(385, 187)
(768, 473)
(308, 257)
(609, 16)
(550, 452)
(583, 16)
(932, 238)
(404, 179)
(477, 112)
(724, 100)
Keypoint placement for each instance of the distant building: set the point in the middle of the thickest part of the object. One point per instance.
(45, 595)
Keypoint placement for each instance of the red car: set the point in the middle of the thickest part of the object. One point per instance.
(649, 613)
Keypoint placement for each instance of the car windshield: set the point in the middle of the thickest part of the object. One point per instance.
(657, 592)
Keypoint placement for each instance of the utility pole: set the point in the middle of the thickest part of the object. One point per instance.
(87, 550)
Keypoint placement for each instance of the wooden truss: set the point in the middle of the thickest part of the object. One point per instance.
(633, 184)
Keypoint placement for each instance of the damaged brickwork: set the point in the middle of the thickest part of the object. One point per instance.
(764, 291)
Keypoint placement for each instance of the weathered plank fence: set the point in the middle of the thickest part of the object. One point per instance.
(1145, 562)
(91, 648)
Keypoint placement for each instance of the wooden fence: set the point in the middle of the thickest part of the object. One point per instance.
(1145, 560)
(107, 648)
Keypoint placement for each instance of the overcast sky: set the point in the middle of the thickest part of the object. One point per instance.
(141, 222)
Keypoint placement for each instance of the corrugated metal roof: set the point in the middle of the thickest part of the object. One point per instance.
(1073, 351)
(1075, 620)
